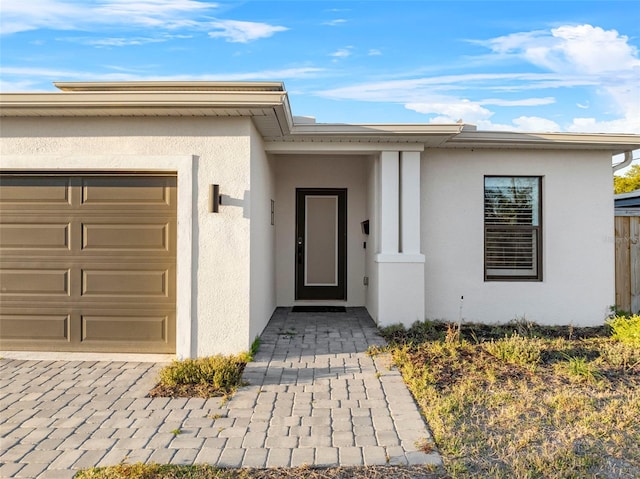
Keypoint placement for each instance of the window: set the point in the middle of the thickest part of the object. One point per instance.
(512, 228)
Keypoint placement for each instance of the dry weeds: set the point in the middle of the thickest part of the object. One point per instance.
(572, 411)
(153, 471)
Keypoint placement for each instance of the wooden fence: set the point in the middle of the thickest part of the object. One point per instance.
(628, 263)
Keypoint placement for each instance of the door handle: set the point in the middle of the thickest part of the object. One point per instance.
(300, 243)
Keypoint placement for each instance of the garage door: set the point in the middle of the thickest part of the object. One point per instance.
(87, 262)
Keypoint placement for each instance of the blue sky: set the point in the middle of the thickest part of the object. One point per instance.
(505, 65)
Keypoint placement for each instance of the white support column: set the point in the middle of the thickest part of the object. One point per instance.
(400, 267)
(410, 194)
(389, 202)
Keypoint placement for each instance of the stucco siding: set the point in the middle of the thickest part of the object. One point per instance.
(213, 268)
(262, 269)
(578, 270)
(372, 240)
(309, 171)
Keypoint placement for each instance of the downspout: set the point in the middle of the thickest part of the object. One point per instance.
(628, 158)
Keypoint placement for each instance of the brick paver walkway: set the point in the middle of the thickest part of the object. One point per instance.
(314, 398)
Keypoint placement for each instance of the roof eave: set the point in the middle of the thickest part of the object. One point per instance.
(615, 142)
(170, 86)
(21, 103)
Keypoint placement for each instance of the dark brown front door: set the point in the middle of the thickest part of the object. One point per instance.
(321, 243)
(88, 262)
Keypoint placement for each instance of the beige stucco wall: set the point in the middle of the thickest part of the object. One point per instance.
(262, 267)
(578, 247)
(320, 171)
(214, 270)
(373, 212)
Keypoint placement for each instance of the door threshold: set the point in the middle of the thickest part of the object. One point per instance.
(87, 356)
(318, 309)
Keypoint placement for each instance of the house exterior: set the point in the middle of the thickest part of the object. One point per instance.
(111, 241)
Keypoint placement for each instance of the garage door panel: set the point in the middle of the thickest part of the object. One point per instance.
(35, 282)
(157, 192)
(143, 328)
(34, 328)
(155, 283)
(35, 191)
(45, 235)
(121, 236)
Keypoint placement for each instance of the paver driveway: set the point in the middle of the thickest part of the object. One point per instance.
(314, 398)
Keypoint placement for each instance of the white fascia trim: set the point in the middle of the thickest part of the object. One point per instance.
(168, 86)
(329, 146)
(617, 142)
(126, 99)
(183, 165)
(400, 258)
(376, 129)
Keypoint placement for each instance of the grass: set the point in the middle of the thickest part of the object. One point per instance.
(525, 401)
(158, 471)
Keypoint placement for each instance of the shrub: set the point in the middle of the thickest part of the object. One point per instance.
(625, 329)
(220, 372)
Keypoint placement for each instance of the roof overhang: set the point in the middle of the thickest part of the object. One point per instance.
(267, 105)
(613, 142)
(167, 86)
(325, 137)
(265, 102)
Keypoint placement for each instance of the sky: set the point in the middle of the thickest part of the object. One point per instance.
(539, 66)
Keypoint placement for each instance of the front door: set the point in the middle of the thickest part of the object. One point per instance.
(321, 243)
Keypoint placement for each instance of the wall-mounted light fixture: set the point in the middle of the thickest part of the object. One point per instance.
(215, 199)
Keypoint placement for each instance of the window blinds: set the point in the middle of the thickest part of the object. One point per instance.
(512, 220)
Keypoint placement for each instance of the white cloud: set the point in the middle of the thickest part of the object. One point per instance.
(18, 86)
(115, 41)
(593, 125)
(571, 49)
(414, 89)
(521, 102)
(452, 111)
(154, 13)
(236, 31)
(342, 52)
(604, 57)
(335, 23)
(164, 15)
(20, 15)
(43, 76)
(602, 63)
(535, 123)
(373, 52)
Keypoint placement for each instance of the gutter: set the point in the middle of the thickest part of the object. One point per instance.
(628, 158)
